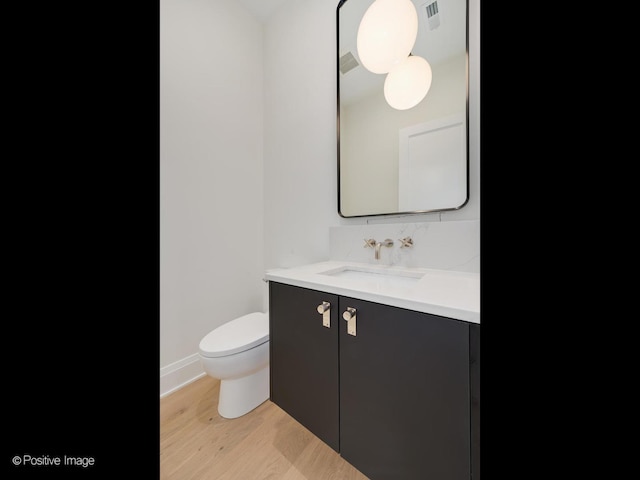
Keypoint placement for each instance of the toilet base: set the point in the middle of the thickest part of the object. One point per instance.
(239, 396)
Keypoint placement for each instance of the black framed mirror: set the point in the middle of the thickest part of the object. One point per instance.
(414, 160)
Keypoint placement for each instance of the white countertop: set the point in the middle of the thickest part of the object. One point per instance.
(439, 292)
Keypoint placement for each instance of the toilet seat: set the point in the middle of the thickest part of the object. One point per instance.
(238, 335)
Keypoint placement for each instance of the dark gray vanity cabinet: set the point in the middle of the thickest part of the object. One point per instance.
(303, 359)
(402, 393)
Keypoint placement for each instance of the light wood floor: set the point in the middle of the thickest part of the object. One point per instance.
(197, 443)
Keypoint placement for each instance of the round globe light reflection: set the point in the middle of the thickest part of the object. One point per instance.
(408, 83)
(386, 34)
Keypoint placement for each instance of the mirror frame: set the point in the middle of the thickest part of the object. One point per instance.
(412, 212)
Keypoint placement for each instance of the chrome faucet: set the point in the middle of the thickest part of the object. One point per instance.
(376, 246)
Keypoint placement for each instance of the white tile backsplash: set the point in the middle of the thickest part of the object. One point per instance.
(453, 245)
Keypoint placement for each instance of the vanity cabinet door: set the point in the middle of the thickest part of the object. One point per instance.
(303, 356)
(404, 394)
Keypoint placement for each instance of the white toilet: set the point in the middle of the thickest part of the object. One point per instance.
(237, 353)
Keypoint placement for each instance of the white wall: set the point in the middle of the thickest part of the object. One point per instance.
(211, 175)
(300, 138)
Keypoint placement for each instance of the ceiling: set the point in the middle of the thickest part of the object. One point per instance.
(262, 8)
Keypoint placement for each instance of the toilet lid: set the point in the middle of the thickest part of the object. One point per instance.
(236, 336)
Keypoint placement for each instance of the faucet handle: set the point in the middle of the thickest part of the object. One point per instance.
(406, 242)
(371, 243)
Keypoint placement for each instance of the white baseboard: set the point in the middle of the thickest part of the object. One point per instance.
(178, 374)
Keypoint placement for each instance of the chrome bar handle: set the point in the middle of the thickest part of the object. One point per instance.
(350, 316)
(325, 309)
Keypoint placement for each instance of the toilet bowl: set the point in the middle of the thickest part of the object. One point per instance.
(237, 353)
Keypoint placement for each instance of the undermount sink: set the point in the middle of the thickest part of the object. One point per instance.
(376, 273)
